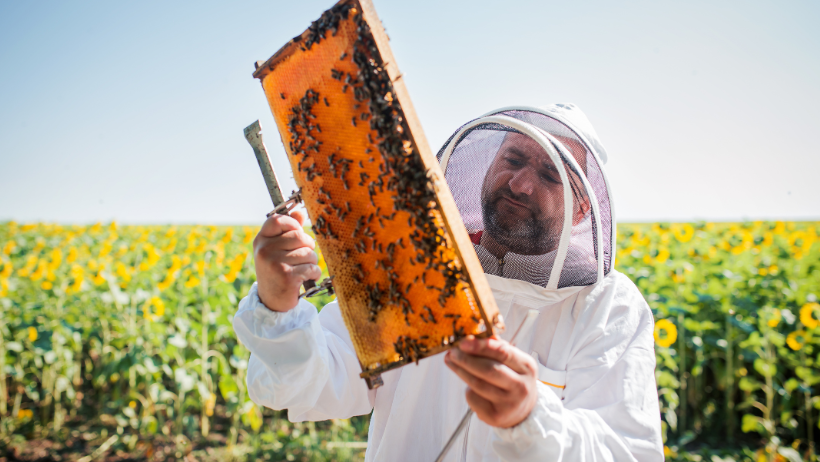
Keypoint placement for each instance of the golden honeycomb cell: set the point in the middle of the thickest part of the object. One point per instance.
(407, 279)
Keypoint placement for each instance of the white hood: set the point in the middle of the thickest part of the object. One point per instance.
(564, 133)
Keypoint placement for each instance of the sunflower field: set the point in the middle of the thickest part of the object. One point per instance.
(736, 330)
(116, 344)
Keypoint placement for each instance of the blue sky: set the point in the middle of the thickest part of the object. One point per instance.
(134, 111)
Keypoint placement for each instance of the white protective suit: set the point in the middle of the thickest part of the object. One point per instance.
(593, 343)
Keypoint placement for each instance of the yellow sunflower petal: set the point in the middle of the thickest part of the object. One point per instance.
(807, 315)
(669, 330)
(796, 339)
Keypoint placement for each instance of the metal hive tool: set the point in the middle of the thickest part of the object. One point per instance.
(408, 281)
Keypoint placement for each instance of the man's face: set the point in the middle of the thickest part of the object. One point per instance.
(522, 197)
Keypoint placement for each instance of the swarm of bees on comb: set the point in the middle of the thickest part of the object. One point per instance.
(408, 282)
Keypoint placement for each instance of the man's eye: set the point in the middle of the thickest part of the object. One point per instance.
(550, 177)
(515, 162)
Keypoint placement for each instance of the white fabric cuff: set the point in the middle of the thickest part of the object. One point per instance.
(288, 366)
(533, 425)
(267, 323)
(529, 440)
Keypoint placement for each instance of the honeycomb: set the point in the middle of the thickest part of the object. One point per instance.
(382, 215)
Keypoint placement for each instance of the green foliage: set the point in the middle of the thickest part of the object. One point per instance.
(119, 339)
(126, 331)
(743, 365)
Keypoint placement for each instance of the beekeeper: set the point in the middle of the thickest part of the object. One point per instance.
(577, 385)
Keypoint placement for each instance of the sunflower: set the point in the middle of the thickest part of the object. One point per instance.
(158, 304)
(807, 316)
(683, 233)
(796, 339)
(670, 333)
(9, 247)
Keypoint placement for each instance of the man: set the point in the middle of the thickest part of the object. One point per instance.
(522, 198)
(579, 382)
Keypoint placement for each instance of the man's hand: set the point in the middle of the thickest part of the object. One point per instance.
(501, 379)
(284, 259)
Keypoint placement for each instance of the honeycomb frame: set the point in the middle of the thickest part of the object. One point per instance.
(408, 282)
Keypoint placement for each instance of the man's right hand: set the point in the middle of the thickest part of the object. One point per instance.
(284, 259)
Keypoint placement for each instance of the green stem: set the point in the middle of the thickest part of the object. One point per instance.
(3, 392)
(58, 411)
(204, 370)
(730, 381)
(106, 339)
(239, 379)
(179, 408)
(60, 368)
(132, 333)
(699, 386)
(48, 394)
(18, 400)
(809, 423)
(769, 387)
(683, 374)
(767, 413)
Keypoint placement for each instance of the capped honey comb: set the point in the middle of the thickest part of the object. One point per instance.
(408, 282)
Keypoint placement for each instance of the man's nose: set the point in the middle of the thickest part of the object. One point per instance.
(522, 182)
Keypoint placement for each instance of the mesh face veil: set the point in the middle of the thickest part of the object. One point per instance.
(533, 195)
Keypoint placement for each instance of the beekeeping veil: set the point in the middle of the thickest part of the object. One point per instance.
(533, 195)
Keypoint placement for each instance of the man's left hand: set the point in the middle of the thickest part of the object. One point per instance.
(501, 379)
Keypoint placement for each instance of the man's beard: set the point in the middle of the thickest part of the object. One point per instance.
(530, 236)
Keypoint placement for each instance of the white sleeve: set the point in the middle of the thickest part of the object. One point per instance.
(301, 360)
(609, 410)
